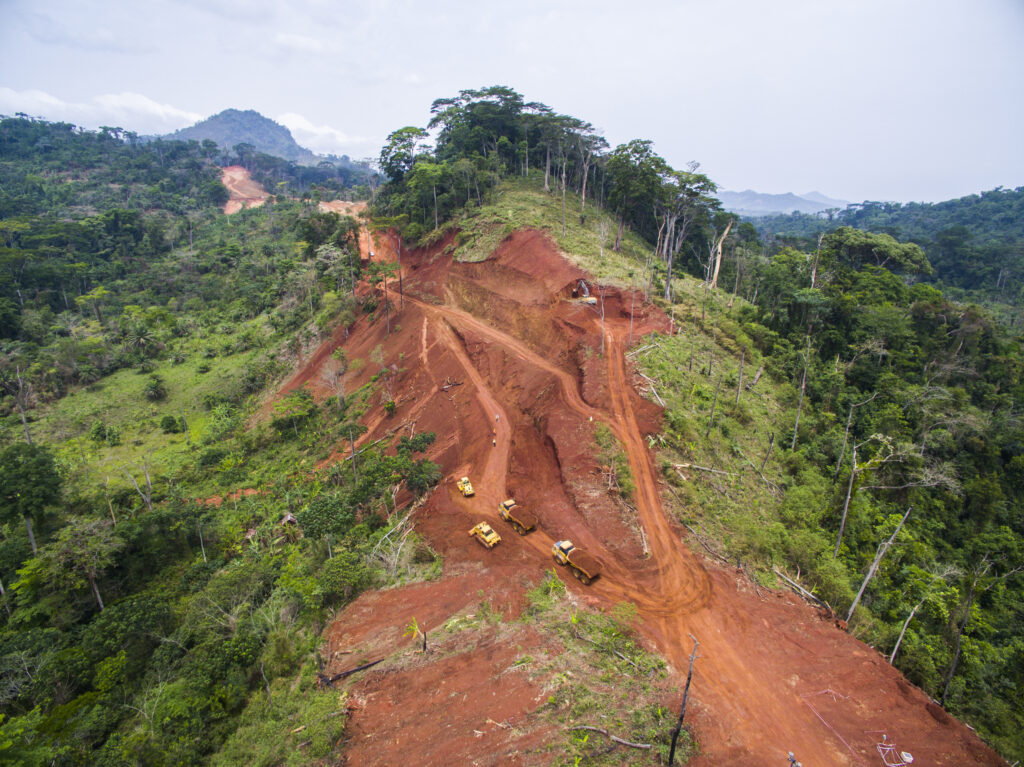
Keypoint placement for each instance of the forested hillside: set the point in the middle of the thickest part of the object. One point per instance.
(828, 415)
(975, 244)
(142, 604)
(893, 473)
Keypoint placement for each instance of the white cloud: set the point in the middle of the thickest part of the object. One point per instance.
(300, 43)
(128, 110)
(88, 37)
(324, 139)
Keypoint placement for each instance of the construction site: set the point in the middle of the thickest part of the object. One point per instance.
(500, 359)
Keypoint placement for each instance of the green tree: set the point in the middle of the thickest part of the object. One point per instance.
(80, 553)
(29, 482)
(400, 150)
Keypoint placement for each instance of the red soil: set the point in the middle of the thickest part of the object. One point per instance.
(243, 192)
(773, 675)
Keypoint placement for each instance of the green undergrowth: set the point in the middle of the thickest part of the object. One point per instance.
(521, 203)
(695, 370)
(601, 676)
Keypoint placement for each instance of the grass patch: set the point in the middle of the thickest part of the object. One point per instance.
(521, 203)
(601, 676)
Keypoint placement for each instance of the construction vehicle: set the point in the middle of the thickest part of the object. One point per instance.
(585, 568)
(464, 487)
(582, 294)
(521, 520)
(484, 533)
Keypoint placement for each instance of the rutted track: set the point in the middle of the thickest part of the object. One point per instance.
(759, 658)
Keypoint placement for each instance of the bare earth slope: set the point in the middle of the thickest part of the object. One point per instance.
(243, 192)
(773, 675)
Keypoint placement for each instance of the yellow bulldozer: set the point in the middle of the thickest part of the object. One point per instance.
(484, 533)
(464, 487)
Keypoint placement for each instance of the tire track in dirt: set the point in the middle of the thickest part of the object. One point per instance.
(687, 585)
(749, 707)
(670, 596)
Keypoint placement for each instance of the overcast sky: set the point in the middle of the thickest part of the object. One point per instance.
(861, 99)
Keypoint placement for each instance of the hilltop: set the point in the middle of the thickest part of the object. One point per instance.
(234, 126)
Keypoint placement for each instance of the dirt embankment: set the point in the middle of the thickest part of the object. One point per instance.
(509, 375)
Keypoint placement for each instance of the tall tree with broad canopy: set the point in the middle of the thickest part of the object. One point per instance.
(29, 482)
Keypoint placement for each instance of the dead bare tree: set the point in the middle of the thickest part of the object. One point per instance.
(883, 548)
(979, 576)
(846, 434)
(686, 694)
(944, 575)
(147, 494)
(803, 389)
(718, 254)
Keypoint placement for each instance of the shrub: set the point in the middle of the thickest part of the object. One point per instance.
(155, 388)
(171, 425)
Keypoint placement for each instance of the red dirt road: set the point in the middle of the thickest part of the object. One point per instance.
(243, 192)
(772, 676)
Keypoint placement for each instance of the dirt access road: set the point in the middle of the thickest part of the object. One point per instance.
(508, 376)
(243, 192)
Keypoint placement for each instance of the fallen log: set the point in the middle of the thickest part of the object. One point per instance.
(710, 550)
(757, 377)
(330, 680)
(804, 592)
(610, 736)
(642, 349)
(655, 393)
(678, 466)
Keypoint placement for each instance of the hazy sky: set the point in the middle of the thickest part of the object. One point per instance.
(860, 99)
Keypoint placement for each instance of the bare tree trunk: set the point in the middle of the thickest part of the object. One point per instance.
(19, 401)
(959, 639)
(3, 594)
(202, 544)
(739, 383)
(686, 694)
(434, 187)
(586, 173)
(547, 168)
(846, 434)
(771, 444)
(564, 163)
(906, 623)
(95, 591)
(803, 388)
(714, 402)
(618, 234)
(883, 548)
(846, 503)
(718, 254)
(31, 536)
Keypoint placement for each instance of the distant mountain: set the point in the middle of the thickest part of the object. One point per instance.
(233, 126)
(830, 202)
(751, 203)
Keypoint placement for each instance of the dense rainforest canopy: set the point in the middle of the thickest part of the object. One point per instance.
(975, 244)
(142, 625)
